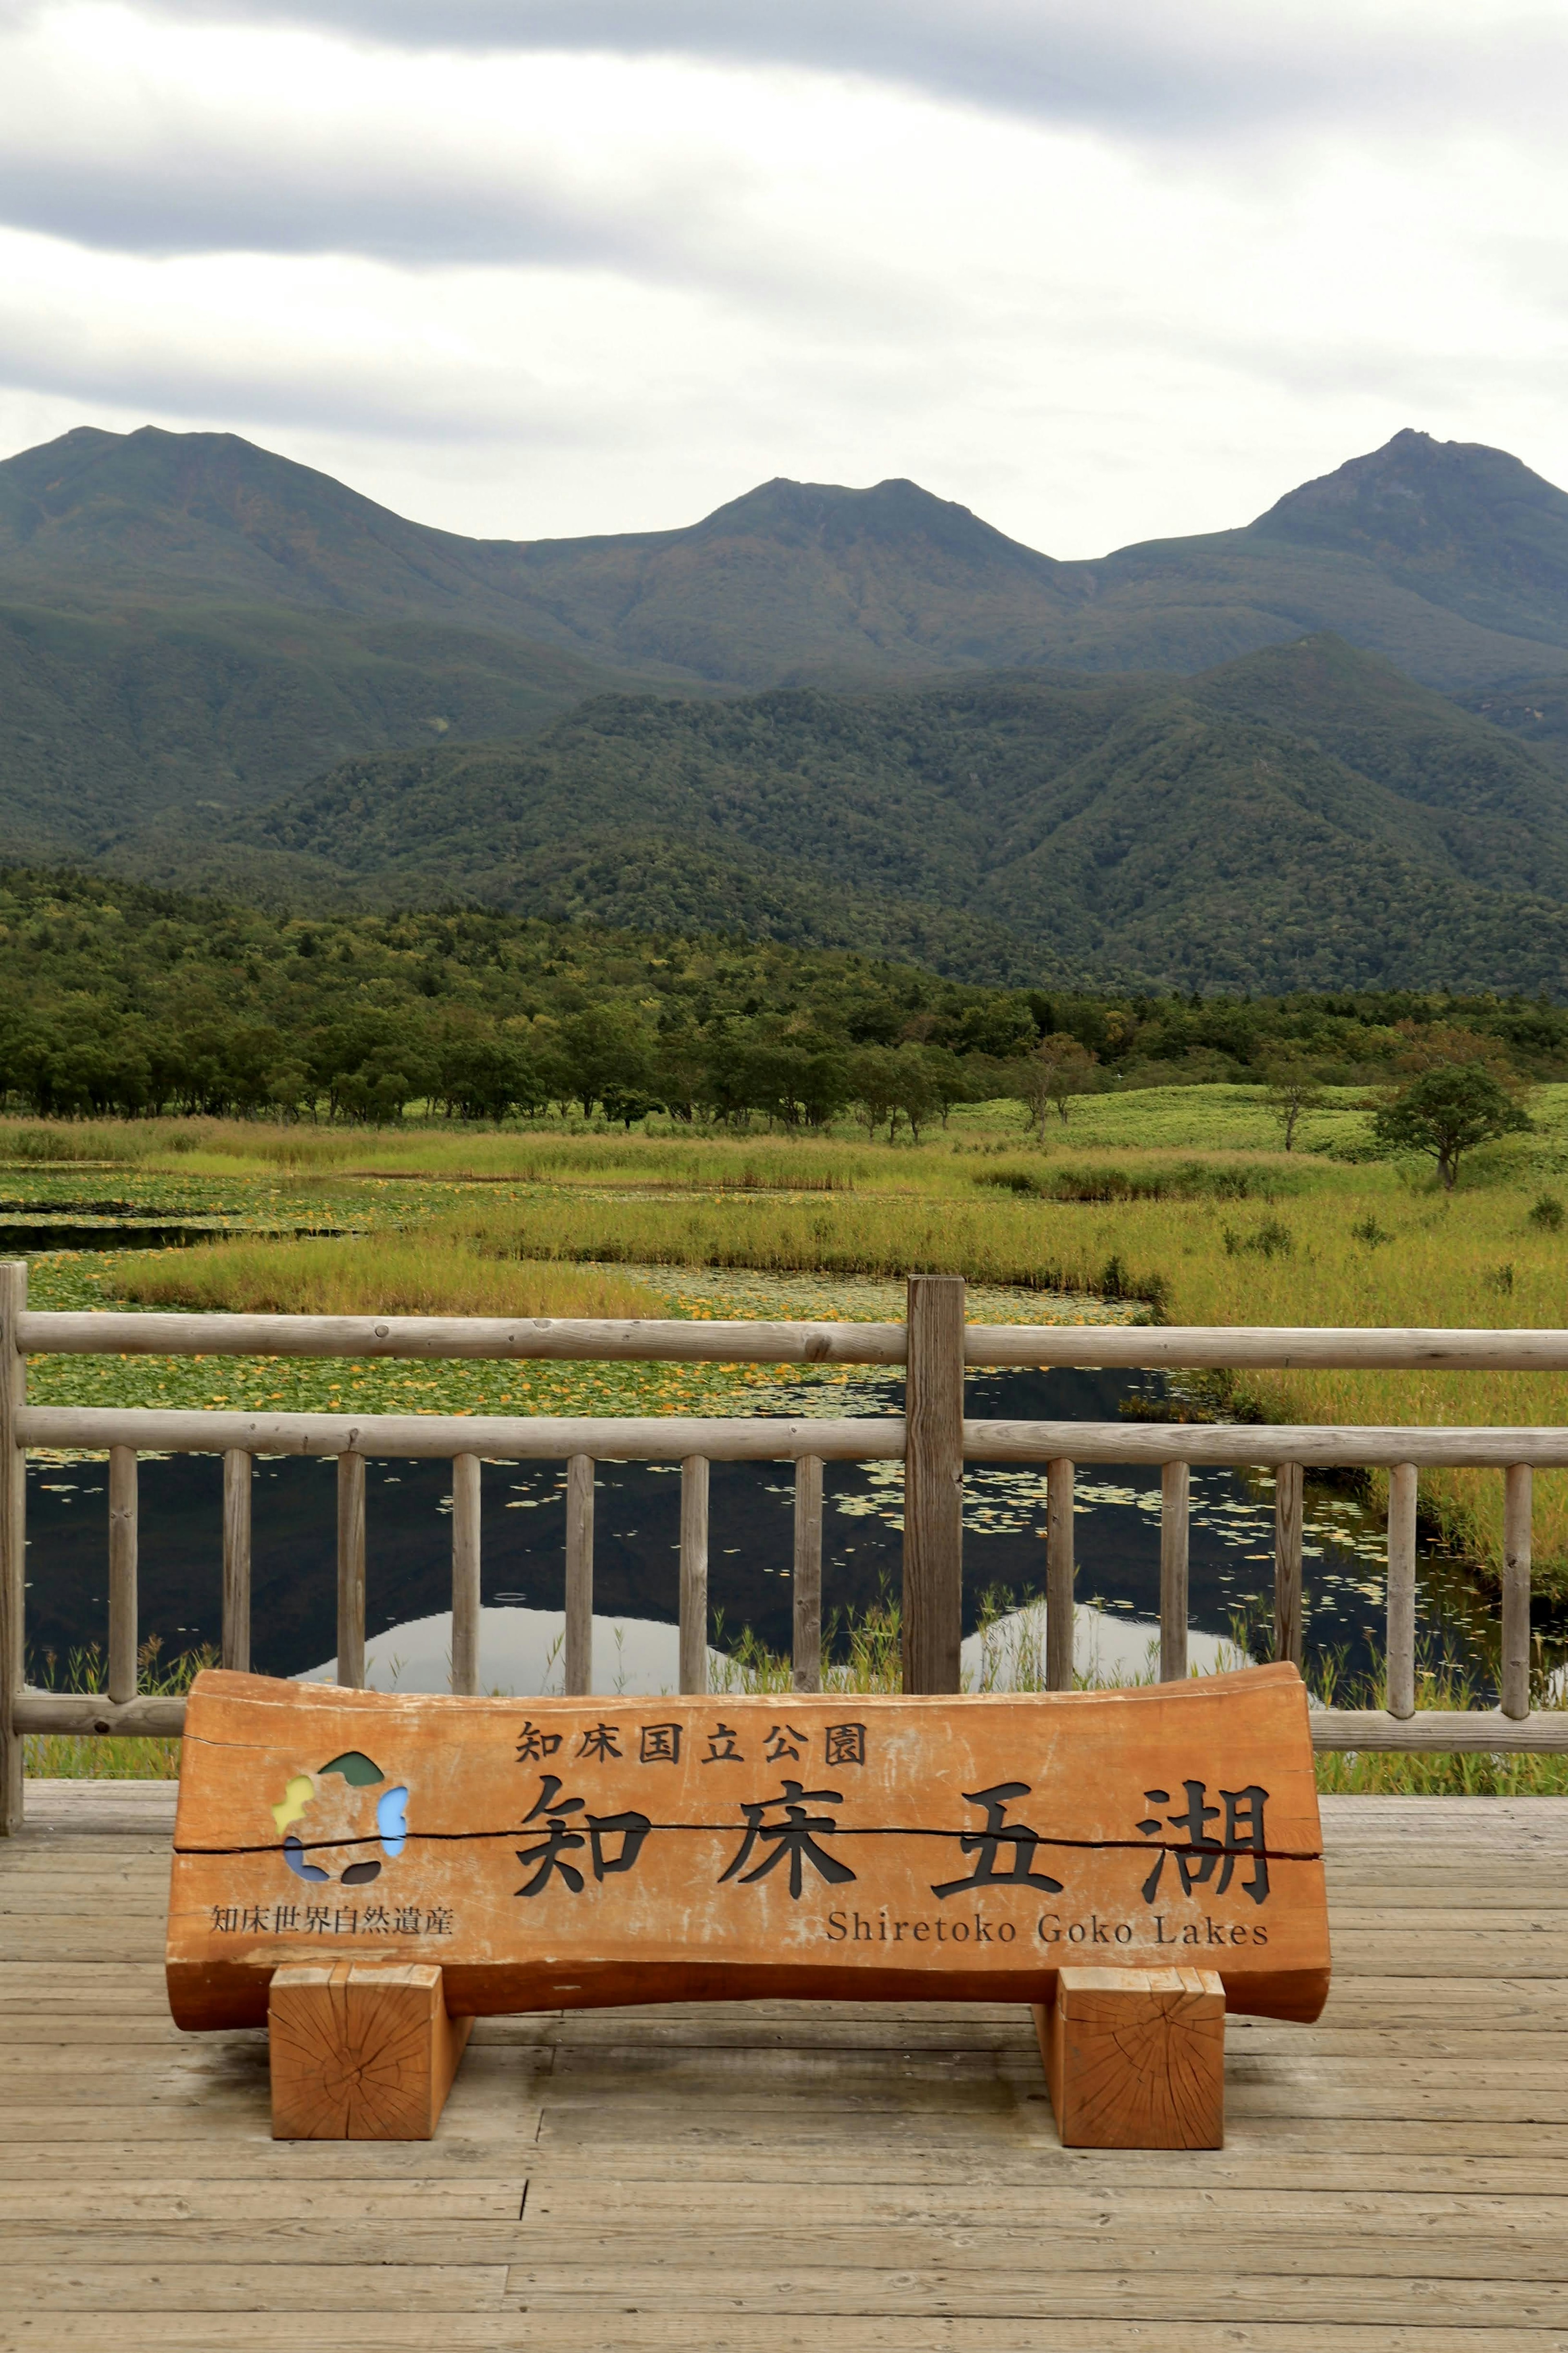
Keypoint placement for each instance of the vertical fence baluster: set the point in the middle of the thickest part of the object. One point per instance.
(351, 1570)
(1401, 1591)
(123, 1554)
(1288, 1512)
(465, 1572)
(933, 1483)
(1516, 1509)
(694, 1573)
(808, 1653)
(236, 1475)
(578, 1676)
(1175, 1491)
(1059, 1575)
(13, 1536)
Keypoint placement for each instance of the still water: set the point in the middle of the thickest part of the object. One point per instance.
(638, 1537)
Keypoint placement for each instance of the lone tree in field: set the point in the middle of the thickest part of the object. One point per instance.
(1447, 1111)
(1292, 1093)
(1058, 1069)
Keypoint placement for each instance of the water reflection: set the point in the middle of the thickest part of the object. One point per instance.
(637, 1540)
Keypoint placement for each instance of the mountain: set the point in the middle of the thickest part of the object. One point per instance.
(1450, 558)
(1304, 818)
(820, 714)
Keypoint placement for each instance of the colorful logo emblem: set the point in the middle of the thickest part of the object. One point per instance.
(329, 1794)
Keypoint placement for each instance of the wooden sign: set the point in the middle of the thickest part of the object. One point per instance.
(560, 1852)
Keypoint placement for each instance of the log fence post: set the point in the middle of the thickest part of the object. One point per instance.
(123, 1550)
(1401, 1659)
(13, 1536)
(466, 1562)
(807, 1653)
(1514, 1679)
(577, 1666)
(933, 1483)
(1059, 1575)
(694, 1573)
(1287, 1513)
(236, 1477)
(351, 1570)
(1176, 1508)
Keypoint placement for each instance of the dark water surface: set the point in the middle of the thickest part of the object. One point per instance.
(638, 1537)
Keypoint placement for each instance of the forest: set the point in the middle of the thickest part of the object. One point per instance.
(123, 1000)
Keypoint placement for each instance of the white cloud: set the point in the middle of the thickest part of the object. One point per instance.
(541, 291)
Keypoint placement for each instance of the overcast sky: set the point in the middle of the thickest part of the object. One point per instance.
(1102, 270)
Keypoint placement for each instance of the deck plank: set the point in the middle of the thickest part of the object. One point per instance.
(781, 2175)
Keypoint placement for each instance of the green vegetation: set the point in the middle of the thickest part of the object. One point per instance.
(1446, 1112)
(389, 1274)
(120, 999)
(996, 827)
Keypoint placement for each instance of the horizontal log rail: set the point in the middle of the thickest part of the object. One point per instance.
(1127, 1346)
(543, 1438)
(933, 1439)
(1433, 1730)
(778, 1438)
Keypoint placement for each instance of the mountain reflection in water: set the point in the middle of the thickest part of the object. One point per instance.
(638, 1544)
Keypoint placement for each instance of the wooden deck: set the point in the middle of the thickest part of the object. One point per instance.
(772, 2177)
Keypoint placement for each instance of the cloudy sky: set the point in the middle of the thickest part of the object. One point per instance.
(1102, 270)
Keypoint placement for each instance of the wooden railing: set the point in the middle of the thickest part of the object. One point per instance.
(932, 1438)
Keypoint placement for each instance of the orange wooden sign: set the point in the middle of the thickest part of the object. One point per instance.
(554, 1853)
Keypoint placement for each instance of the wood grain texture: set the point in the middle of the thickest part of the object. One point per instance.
(360, 2051)
(1135, 2058)
(780, 2176)
(576, 1852)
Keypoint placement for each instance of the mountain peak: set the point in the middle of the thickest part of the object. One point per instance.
(1465, 525)
(894, 514)
(1413, 496)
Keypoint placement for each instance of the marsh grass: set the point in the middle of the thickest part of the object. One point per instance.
(391, 1274)
(65, 1757)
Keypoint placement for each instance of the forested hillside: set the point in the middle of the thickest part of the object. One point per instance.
(121, 999)
(1303, 817)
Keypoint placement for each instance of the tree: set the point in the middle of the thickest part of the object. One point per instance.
(1292, 1093)
(1058, 1068)
(872, 1077)
(1447, 1111)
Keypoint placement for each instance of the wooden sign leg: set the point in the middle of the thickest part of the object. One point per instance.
(360, 2050)
(1135, 2058)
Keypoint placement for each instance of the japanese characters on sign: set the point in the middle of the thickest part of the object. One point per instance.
(565, 1845)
